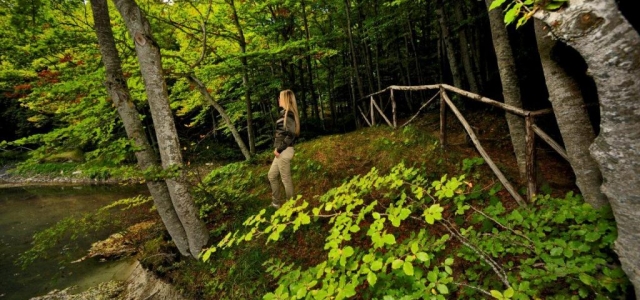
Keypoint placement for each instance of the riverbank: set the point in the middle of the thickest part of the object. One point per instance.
(9, 179)
(139, 284)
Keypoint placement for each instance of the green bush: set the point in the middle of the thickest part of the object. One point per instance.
(401, 236)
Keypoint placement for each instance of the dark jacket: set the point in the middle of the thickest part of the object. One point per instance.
(285, 137)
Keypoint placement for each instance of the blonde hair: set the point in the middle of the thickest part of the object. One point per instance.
(290, 104)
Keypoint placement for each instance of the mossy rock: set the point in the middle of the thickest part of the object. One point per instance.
(75, 155)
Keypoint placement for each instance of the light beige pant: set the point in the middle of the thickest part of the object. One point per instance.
(281, 166)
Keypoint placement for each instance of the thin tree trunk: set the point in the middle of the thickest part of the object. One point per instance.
(464, 47)
(151, 68)
(242, 42)
(314, 102)
(225, 117)
(118, 90)
(510, 85)
(355, 72)
(573, 120)
(611, 49)
(448, 45)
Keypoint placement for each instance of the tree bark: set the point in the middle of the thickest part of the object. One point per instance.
(242, 42)
(611, 49)
(225, 117)
(448, 45)
(464, 47)
(510, 85)
(119, 92)
(150, 61)
(573, 120)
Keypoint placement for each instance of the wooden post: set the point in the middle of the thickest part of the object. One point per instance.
(393, 110)
(443, 119)
(382, 114)
(373, 116)
(545, 137)
(530, 156)
(483, 153)
(364, 116)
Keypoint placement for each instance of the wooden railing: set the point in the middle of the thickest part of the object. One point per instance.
(529, 117)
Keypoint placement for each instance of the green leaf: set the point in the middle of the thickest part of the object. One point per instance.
(432, 276)
(347, 251)
(376, 265)
(396, 264)
(496, 294)
(509, 293)
(422, 256)
(389, 239)
(592, 236)
(586, 278)
(496, 3)
(448, 261)
(442, 288)
(372, 278)
(304, 218)
(556, 251)
(407, 267)
(415, 248)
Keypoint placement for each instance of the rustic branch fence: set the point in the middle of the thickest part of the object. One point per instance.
(441, 89)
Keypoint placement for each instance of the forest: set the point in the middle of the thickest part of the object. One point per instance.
(182, 96)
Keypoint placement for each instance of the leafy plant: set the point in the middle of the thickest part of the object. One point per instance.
(392, 236)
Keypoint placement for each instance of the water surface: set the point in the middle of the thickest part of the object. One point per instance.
(27, 210)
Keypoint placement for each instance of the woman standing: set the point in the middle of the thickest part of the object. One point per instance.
(287, 129)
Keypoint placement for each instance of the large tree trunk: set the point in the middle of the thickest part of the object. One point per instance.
(223, 113)
(573, 120)
(510, 85)
(151, 68)
(448, 45)
(117, 88)
(611, 48)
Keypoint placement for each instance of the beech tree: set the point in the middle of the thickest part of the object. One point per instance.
(510, 85)
(573, 120)
(150, 61)
(118, 90)
(611, 48)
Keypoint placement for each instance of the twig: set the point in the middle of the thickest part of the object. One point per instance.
(494, 265)
(472, 287)
(500, 224)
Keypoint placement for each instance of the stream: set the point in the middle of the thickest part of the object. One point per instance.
(25, 211)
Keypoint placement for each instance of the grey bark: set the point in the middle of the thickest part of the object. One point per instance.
(448, 45)
(465, 52)
(150, 61)
(573, 120)
(245, 77)
(223, 113)
(510, 85)
(611, 49)
(119, 92)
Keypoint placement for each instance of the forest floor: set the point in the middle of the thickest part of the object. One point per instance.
(326, 162)
(242, 189)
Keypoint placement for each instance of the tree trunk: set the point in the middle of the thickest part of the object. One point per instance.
(314, 102)
(225, 117)
(355, 72)
(573, 120)
(448, 45)
(611, 48)
(117, 88)
(245, 77)
(464, 47)
(510, 85)
(151, 68)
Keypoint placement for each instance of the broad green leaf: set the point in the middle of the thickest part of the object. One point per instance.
(376, 265)
(496, 294)
(407, 267)
(442, 288)
(422, 256)
(396, 264)
(389, 239)
(372, 278)
(508, 293)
